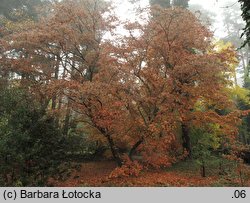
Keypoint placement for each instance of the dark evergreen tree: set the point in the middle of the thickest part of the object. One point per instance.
(162, 3)
(167, 3)
(31, 145)
(245, 7)
(181, 3)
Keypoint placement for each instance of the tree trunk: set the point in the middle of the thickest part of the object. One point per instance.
(247, 70)
(114, 151)
(113, 148)
(66, 121)
(56, 76)
(186, 143)
(203, 171)
(133, 149)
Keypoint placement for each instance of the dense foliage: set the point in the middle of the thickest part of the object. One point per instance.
(31, 146)
(245, 6)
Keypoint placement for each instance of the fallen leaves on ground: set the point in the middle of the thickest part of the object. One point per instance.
(97, 174)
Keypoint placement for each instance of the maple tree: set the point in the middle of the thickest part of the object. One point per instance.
(69, 41)
(173, 63)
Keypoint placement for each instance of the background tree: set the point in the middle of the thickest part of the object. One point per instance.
(234, 26)
(207, 17)
(181, 3)
(168, 3)
(245, 7)
(14, 9)
(162, 3)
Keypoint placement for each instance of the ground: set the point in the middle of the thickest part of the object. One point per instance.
(93, 174)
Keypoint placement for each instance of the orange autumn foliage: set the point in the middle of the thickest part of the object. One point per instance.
(129, 168)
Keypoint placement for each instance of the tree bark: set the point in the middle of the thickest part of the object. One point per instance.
(133, 149)
(113, 148)
(56, 76)
(186, 142)
(66, 120)
(203, 171)
(114, 151)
